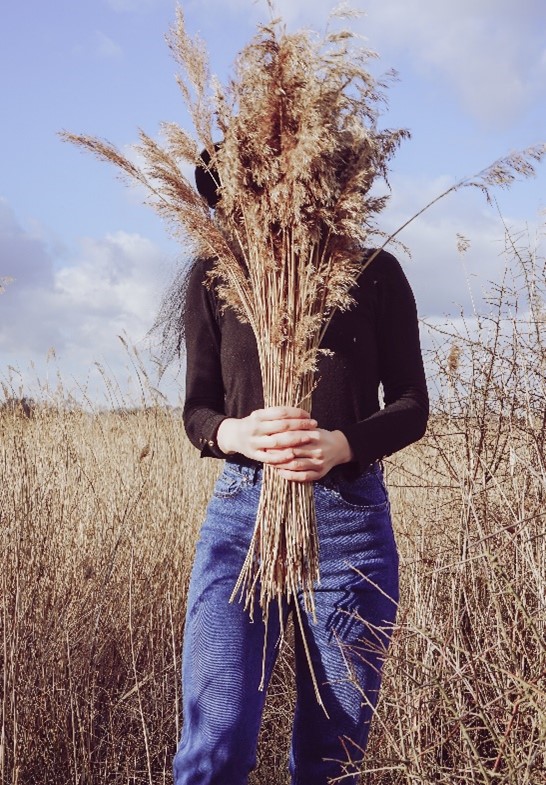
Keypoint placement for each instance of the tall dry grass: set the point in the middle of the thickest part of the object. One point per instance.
(465, 687)
(99, 514)
(98, 517)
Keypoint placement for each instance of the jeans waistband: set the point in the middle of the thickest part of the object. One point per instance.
(253, 470)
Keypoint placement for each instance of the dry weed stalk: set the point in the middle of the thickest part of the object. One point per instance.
(301, 149)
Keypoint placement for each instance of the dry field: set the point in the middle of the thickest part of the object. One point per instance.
(98, 517)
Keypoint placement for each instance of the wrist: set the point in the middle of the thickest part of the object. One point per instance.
(226, 435)
(344, 452)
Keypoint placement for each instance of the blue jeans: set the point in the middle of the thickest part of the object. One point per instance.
(356, 605)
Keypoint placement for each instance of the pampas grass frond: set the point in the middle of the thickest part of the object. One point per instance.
(193, 81)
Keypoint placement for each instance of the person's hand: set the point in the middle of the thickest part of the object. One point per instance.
(288, 439)
(311, 461)
(268, 435)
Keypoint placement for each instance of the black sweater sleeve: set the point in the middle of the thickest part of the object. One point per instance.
(204, 403)
(404, 417)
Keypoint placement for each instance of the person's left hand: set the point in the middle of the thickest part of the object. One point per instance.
(310, 462)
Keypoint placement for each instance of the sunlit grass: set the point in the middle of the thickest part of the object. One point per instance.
(99, 513)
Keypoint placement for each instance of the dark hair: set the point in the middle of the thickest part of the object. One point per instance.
(207, 179)
(167, 334)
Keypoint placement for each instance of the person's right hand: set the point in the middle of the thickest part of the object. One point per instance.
(267, 435)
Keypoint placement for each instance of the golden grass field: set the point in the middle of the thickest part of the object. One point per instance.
(99, 513)
(99, 518)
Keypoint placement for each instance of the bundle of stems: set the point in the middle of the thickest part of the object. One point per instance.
(299, 155)
(300, 151)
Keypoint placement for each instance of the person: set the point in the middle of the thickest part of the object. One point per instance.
(339, 448)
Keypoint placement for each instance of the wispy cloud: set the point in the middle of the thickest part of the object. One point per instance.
(78, 308)
(106, 48)
(490, 51)
(445, 281)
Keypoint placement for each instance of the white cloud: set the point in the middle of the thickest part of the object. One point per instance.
(113, 284)
(110, 288)
(446, 282)
(490, 51)
(112, 277)
(309, 13)
(106, 48)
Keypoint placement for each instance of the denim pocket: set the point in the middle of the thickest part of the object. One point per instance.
(366, 492)
(229, 483)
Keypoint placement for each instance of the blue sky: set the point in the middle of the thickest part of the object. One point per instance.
(89, 261)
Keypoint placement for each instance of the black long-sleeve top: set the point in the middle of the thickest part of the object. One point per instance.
(374, 343)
